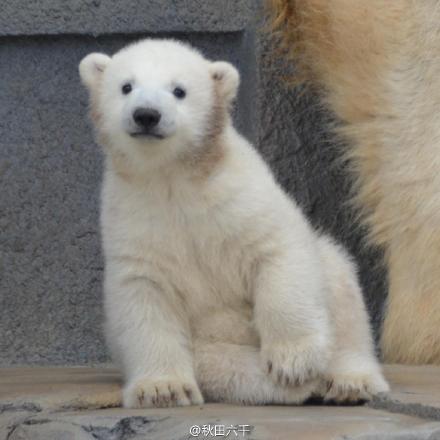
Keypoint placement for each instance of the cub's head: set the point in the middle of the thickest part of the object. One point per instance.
(158, 98)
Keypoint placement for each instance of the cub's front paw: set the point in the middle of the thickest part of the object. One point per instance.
(354, 387)
(294, 364)
(162, 393)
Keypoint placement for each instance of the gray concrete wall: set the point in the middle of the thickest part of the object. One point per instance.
(50, 167)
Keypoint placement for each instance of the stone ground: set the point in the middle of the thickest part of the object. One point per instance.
(81, 403)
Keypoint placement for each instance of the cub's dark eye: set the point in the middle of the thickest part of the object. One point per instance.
(126, 88)
(179, 93)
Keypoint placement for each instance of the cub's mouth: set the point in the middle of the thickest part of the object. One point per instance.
(145, 134)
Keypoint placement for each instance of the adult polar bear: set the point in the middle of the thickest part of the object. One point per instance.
(377, 62)
(215, 283)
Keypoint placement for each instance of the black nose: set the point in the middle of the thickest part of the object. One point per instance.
(146, 117)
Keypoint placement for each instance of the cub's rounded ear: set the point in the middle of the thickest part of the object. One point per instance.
(92, 67)
(227, 79)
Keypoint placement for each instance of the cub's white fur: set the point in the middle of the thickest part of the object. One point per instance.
(215, 283)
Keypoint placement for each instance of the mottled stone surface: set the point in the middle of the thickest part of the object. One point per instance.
(257, 423)
(82, 404)
(415, 391)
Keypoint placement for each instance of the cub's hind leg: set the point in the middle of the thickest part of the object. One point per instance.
(233, 373)
(354, 372)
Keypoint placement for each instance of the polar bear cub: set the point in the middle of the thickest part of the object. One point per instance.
(216, 286)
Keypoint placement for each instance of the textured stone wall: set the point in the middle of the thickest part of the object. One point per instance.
(50, 167)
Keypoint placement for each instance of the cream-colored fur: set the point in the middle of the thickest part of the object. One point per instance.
(378, 63)
(215, 283)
